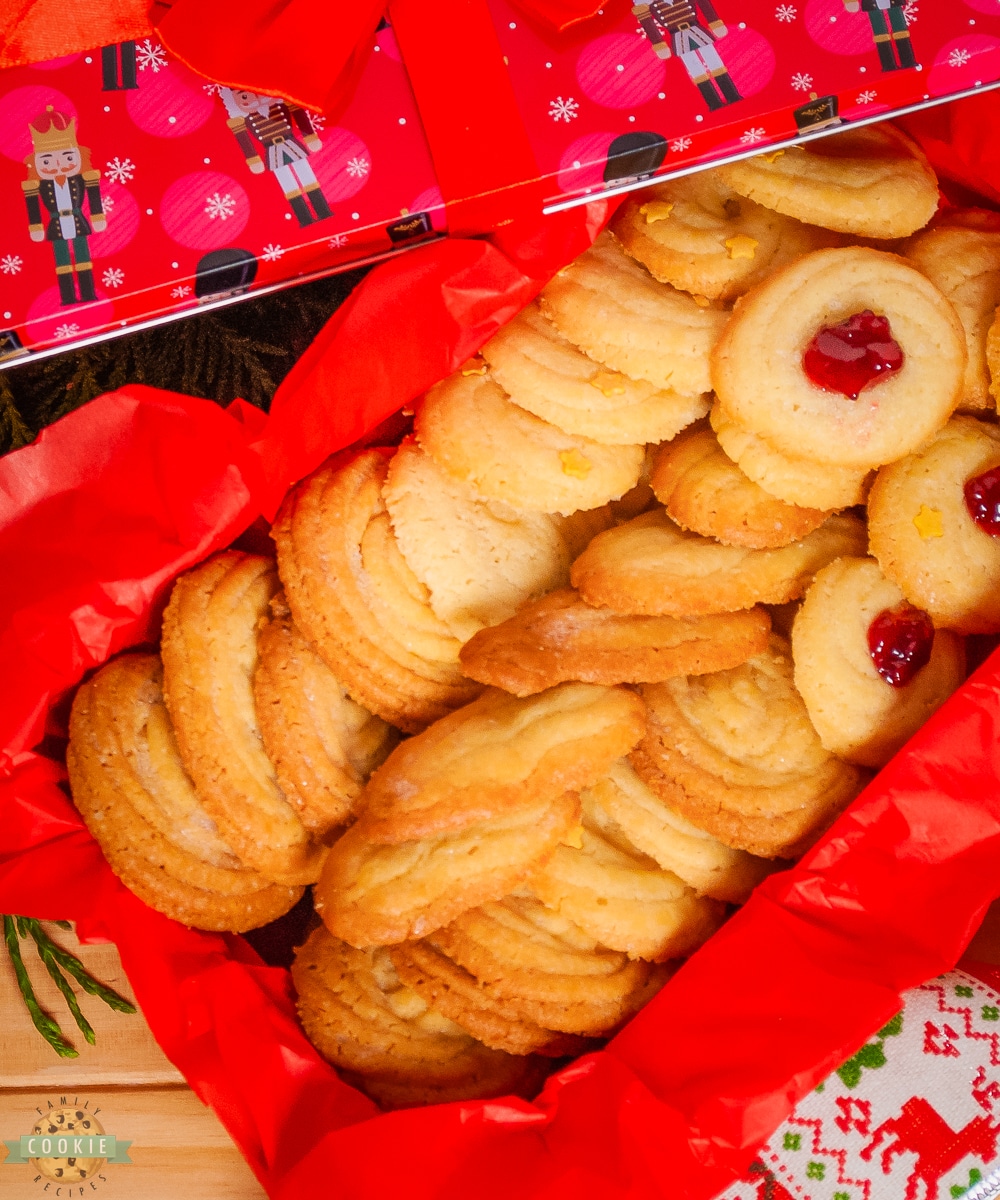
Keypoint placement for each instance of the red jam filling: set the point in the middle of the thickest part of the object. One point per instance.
(853, 355)
(900, 641)
(982, 499)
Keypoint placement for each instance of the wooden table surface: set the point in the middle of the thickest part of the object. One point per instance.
(178, 1145)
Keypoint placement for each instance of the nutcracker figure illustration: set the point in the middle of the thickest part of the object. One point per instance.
(60, 180)
(279, 137)
(890, 31)
(676, 27)
(118, 67)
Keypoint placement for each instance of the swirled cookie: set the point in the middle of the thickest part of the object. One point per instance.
(671, 840)
(620, 896)
(351, 594)
(619, 315)
(132, 790)
(652, 566)
(560, 637)
(863, 713)
(209, 650)
(472, 430)
(461, 813)
(794, 480)
(993, 356)
(960, 255)
(873, 182)
(480, 560)
(548, 969)
(458, 995)
(888, 381)
(922, 532)
(546, 374)
(703, 490)
(323, 745)
(697, 234)
(737, 755)
(386, 1040)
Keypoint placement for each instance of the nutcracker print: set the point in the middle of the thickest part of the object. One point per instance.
(279, 137)
(889, 30)
(118, 67)
(690, 29)
(60, 183)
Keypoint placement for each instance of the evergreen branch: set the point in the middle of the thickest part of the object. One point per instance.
(72, 965)
(44, 948)
(45, 1025)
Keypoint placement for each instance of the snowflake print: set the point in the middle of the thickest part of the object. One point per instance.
(786, 12)
(113, 277)
(751, 137)
(958, 58)
(107, 203)
(358, 167)
(318, 121)
(67, 329)
(338, 240)
(120, 170)
(213, 89)
(911, 10)
(271, 252)
(802, 81)
(865, 97)
(222, 207)
(564, 110)
(180, 291)
(678, 145)
(10, 264)
(150, 55)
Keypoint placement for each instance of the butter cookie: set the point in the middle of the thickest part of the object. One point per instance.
(870, 668)
(355, 599)
(209, 650)
(387, 1041)
(546, 374)
(872, 182)
(850, 357)
(474, 432)
(703, 490)
(614, 310)
(932, 526)
(737, 755)
(652, 566)
(697, 234)
(131, 788)
(560, 638)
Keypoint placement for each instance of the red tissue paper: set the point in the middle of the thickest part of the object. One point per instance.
(112, 502)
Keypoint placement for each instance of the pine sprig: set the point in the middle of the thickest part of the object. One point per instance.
(244, 350)
(56, 960)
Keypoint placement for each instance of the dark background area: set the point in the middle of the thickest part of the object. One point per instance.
(243, 350)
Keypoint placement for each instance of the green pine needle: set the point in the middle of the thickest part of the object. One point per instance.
(55, 957)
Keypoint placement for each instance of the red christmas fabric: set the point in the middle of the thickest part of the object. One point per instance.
(99, 516)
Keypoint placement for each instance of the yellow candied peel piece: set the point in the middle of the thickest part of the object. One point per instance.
(475, 366)
(929, 523)
(772, 156)
(701, 301)
(609, 382)
(574, 838)
(656, 210)
(741, 246)
(574, 463)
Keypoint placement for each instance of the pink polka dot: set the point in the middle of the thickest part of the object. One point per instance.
(832, 27)
(749, 57)
(431, 201)
(123, 220)
(964, 62)
(171, 103)
(583, 161)
(18, 108)
(48, 320)
(619, 70)
(204, 210)
(343, 166)
(54, 64)
(984, 6)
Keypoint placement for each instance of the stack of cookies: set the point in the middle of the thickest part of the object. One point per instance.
(657, 581)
